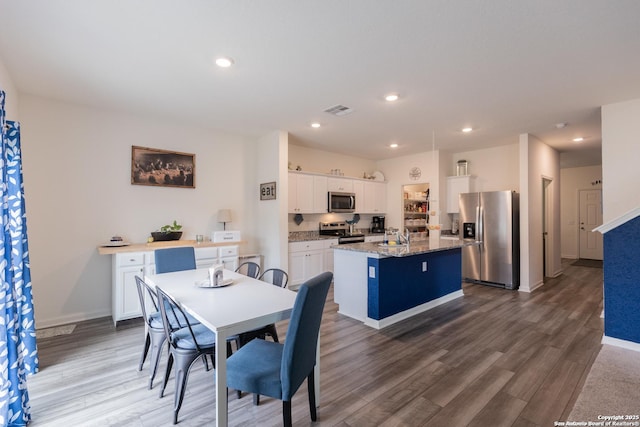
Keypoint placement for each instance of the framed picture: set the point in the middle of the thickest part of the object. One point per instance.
(268, 191)
(162, 168)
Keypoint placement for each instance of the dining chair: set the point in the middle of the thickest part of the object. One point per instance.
(175, 259)
(276, 277)
(186, 345)
(154, 332)
(277, 370)
(249, 268)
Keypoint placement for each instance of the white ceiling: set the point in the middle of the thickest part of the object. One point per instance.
(505, 67)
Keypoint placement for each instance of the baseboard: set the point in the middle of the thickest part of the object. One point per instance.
(70, 318)
(529, 289)
(557, 273)
(388, 321)
(629, 345)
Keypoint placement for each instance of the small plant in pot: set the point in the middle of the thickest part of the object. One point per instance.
(167, 232)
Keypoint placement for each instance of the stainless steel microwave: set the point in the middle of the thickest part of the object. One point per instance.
(341, 202)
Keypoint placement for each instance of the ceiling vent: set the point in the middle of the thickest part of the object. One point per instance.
(339, 110)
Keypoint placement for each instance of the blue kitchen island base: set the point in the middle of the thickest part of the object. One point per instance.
(382, 286)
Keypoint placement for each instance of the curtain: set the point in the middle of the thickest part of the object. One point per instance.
(18, 351)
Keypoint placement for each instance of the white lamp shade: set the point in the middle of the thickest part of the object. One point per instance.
(224, 215)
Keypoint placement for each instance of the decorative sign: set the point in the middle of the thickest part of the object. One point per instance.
(415, 173)
(268, 191)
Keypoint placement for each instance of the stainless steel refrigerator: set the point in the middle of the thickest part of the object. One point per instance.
(492, 219)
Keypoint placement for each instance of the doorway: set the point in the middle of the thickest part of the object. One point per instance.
(590, 242)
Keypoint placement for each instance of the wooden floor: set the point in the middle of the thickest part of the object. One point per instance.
(491, 358)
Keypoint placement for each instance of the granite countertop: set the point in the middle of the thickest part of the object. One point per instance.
(302, 236)
(414, 248)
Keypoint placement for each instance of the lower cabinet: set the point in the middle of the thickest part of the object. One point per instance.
(328, 254)
(125, 303)
(306, 259)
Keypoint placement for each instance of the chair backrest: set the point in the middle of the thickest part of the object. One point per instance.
(148, 298)
(299, 353)
(275, 276)
(170, 309)
(175, 259)
(249, 268)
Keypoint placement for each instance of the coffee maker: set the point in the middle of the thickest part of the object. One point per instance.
(377, 224)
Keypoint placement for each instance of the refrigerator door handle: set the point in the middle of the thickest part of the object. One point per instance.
(477, 236)
(481, 224)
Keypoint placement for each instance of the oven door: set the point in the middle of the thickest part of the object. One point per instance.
(342, 202)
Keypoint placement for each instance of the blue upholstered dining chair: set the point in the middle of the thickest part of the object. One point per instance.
(277, 370)
(175, 259)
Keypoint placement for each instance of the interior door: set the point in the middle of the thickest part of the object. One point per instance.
(590, 217)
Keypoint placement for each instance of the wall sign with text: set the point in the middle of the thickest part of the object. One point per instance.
(268, 191)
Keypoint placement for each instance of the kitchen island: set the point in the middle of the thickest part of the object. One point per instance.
(384, 284)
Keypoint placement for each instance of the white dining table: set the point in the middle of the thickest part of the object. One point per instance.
(244, 305)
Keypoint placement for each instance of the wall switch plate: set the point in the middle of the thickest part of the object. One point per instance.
(372, 272)
(424, 265)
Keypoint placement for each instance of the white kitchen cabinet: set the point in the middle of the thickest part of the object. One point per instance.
(306, 259)
(328, 254)
(457, 185)
(125, 303)
(320, 193)
(374, 197)
(344, 185)
(301, 193)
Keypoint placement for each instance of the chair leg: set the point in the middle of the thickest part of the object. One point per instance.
(183, 365)
(311, 387)
(239, 392)
(256, 399)
(166, 374)
(273, 332)
(145, 350)
(157, 342)
(286, 413)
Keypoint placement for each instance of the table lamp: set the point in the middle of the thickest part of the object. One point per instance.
(224, 216)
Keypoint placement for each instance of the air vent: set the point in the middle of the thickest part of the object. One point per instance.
(339, 110)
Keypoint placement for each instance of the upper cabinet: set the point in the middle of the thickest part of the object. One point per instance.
(344, 185)
(308, 193)
(374, 199)
(301, 193)
(457, 185)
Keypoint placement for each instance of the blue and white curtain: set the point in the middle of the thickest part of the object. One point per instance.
(18, 351)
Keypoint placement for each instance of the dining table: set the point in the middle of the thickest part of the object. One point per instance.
(243, 304)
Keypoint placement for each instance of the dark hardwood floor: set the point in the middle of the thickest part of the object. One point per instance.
(491, 358)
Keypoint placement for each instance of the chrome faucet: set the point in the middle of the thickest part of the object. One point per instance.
(405, 236)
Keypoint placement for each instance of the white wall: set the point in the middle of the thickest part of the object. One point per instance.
(77, 164)
(538, 161)
(620, 154)
(11, 94)
(496, 168)
(396, 172)
(272, 214)
(572, 180)
(312, 160)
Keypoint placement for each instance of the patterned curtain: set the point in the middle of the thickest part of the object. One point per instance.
(18, 351)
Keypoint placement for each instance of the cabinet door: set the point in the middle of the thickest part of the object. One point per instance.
(328, 254)
(375, 197)
(301, 195)
(457, 185)
(313, 264)
(320, 193)
(128, 304)
(296, 268)
(344, 185)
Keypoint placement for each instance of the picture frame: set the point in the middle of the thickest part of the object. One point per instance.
(162, 168)
(268, 191)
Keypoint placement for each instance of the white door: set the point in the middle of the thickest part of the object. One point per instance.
(590, 218)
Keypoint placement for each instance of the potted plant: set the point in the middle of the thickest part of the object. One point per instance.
(168, 232)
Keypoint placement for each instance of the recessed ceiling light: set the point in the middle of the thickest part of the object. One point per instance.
(224, 62)
(315, 125)
(578, 139)
(467, 129)
(394, 145)
(561, 125)
(391, 97)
